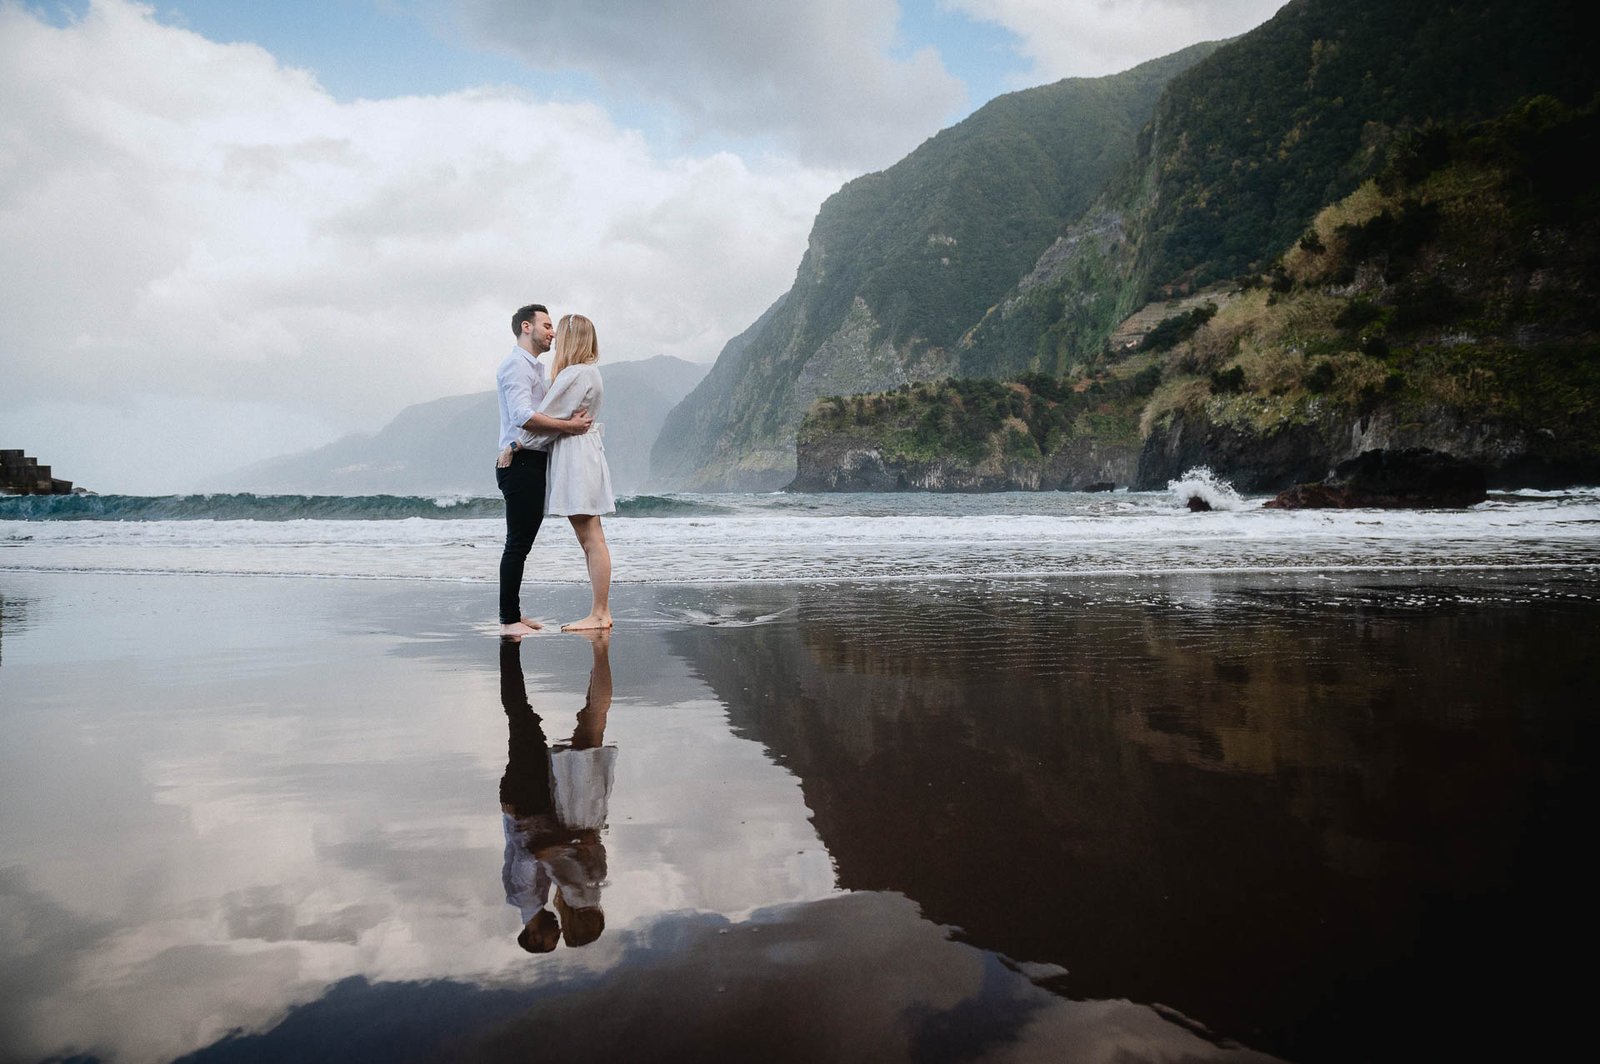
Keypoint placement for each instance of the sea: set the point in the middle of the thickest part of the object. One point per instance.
(783, 537)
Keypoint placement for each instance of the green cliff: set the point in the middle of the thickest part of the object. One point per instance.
(1449, 302)
(1040, 241)
(901, 263)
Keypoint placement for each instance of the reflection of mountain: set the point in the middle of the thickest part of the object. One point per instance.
(1277, 822)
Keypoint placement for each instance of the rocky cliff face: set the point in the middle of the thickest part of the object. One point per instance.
(1445, 299)
(1511, 455)
(900, 267)
(1450, 304)
(845, 463)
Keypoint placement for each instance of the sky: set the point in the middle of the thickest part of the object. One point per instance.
(234, 230)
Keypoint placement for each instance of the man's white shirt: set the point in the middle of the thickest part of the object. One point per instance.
(521, 383)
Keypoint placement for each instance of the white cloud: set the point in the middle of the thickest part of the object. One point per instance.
(191, 220)
(1092, 38)
(821, 78)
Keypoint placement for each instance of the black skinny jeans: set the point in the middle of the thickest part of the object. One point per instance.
(522, 484)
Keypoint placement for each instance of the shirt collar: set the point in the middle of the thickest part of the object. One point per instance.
(517, 349)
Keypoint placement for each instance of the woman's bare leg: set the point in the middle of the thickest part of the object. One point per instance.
(593, 540)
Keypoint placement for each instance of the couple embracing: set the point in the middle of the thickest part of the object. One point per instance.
(551, 459)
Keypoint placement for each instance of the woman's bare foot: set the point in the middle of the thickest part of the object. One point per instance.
(516, 631)
(594, 620)
(531, 623)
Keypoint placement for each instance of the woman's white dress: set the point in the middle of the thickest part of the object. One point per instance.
(579, 481)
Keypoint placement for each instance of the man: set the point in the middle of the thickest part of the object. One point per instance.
(522, 385)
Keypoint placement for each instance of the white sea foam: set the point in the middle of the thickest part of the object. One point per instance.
(843, 537)
(1201, 483)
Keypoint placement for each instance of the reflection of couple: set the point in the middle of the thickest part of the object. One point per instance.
(551, 459)
(553, 805)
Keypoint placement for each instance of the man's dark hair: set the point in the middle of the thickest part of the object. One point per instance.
(526, 314)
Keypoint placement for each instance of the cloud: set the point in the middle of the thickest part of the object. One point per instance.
(821, 79)
(193, 220)
(1092, 38)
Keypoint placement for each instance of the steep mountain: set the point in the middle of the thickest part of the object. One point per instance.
(1245, 147)
(1240, 147)
(1452, 302)
(901, 263)
(447, 446)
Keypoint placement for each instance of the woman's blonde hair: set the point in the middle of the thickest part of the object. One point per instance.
(575, 343)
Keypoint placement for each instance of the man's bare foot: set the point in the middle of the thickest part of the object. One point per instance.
(515, 631)
(531, 623)
(594, 620)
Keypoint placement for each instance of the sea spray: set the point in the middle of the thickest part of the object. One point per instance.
(899, 536)
(1200, 483)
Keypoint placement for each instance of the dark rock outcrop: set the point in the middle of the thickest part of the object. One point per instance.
(860, 462)
(1262, 461)
(1253, 461)
(1392, 480)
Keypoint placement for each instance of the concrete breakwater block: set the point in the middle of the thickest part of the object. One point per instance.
(21, 475)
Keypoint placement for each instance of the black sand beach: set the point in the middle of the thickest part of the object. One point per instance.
(1186, 818)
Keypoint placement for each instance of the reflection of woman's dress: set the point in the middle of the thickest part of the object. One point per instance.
(580, 782)
(579, 481)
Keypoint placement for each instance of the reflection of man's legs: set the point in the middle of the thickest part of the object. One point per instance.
(526, 803)
(522, 485)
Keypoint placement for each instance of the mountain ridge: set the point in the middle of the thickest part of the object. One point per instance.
(900, 262)
(446, 446)
(1245, 142)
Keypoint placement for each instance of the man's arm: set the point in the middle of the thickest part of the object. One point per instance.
(576, 425)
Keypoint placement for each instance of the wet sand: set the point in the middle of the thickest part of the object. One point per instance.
(1208, 817)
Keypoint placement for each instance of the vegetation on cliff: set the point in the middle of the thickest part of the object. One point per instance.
(1458, 286)
(949, 263)
(1246, 147)
(1453, 291)
(971, 419)
(900, 263)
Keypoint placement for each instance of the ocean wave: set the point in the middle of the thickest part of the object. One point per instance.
(666, 506)
(244, 507)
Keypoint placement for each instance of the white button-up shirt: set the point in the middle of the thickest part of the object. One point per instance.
(522, 384)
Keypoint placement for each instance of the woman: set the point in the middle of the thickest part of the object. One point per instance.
(579, 483)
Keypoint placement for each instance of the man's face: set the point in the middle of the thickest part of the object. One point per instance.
(541, 332)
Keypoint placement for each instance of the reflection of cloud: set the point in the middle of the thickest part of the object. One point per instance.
(264, 913)
(220, 819)
(860, 976)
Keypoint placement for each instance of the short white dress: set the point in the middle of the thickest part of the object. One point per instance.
(579, 481)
